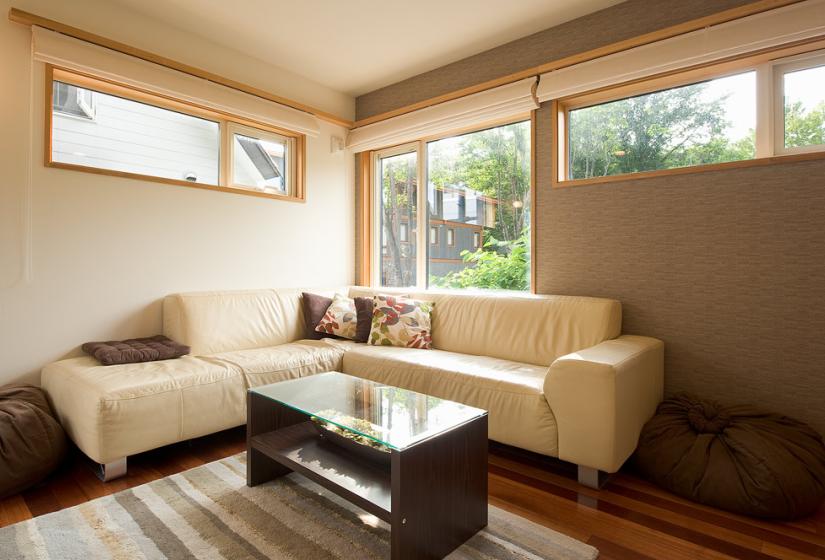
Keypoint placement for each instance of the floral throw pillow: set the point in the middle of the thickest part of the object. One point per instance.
(398, 321)
(341, 318)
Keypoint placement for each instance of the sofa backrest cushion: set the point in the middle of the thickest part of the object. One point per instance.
(533, 329)
(212, 322)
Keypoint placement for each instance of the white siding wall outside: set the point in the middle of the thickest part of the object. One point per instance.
(134, 137)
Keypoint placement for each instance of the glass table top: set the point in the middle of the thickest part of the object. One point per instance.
(396, 418)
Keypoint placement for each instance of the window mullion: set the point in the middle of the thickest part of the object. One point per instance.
(422, 219)
(765, 111)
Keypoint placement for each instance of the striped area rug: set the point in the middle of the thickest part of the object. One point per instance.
(209, 513)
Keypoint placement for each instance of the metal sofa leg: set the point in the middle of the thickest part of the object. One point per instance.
(591, 477)
(112, 470)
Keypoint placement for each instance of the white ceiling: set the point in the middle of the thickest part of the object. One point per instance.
(357, 46)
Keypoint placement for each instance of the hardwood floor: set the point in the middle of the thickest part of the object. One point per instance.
(628, 518)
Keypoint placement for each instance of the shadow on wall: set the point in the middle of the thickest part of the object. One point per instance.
(143, 321)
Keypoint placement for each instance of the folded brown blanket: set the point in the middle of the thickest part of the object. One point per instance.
(135, 350)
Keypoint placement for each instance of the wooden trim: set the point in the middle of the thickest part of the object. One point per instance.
(48, 101)
(444, 260)
(298, 189)
(557, 129)
(613, 48)
(165, 181)
(26, 18)
(533, 247)
(756, 162)
(365, 216)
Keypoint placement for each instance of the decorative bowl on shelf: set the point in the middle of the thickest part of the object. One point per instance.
(357, 444)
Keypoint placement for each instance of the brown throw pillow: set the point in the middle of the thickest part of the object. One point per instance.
(135, 350)
(363, 308)
(314, 308)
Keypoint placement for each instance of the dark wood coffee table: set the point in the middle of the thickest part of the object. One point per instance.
(432, 487)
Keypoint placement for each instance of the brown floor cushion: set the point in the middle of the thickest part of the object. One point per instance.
(736, 458)
(32, 442)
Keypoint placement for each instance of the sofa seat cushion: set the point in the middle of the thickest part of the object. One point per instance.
(512, 392)
(116, 411)
(261, 366)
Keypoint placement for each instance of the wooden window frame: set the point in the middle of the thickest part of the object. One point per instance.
(766, 64)
(786, 66)
(450, 234)
(226, 122)
(369, 250)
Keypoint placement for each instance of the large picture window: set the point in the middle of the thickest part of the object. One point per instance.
(475, 230)
(101, 127)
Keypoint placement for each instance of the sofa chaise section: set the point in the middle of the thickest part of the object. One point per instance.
(112, 412)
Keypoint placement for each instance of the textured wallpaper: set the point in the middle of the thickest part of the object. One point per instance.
(727, 267)
(613, 24)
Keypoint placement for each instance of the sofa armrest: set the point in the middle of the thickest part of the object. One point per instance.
(602, 396)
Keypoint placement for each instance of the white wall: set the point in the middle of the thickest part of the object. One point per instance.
(89, 257)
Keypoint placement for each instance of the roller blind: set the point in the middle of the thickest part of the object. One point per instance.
(73, 54)
(769, 29)
(512, 100)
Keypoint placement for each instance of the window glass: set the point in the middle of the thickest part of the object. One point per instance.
(433, 235)
(397, 198)
(95, 129)
(805, 107)
(703, 123)
(479, 188)
(259, 162)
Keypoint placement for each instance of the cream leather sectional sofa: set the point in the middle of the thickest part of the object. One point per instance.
(554, 372)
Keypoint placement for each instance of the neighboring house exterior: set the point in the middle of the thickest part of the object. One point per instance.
(95, 129)
(458, 216)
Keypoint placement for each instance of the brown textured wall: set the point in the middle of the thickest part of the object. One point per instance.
(617, 23)
(727, 267)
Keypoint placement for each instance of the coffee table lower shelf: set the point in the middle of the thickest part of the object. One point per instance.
(432, 493)
(300, 448)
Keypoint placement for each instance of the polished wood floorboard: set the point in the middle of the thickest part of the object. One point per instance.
(628, 518)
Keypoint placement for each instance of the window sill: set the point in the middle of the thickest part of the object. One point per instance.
(412, 290)
(165, 181)
(757, 162)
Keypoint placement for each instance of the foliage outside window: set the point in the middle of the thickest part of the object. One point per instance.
(477, 219)
(709, 122)
(714, 121)
(398, 192)
(804, 107)
(481, 181)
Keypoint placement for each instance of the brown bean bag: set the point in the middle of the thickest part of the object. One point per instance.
(32, 442)
(736, 458)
